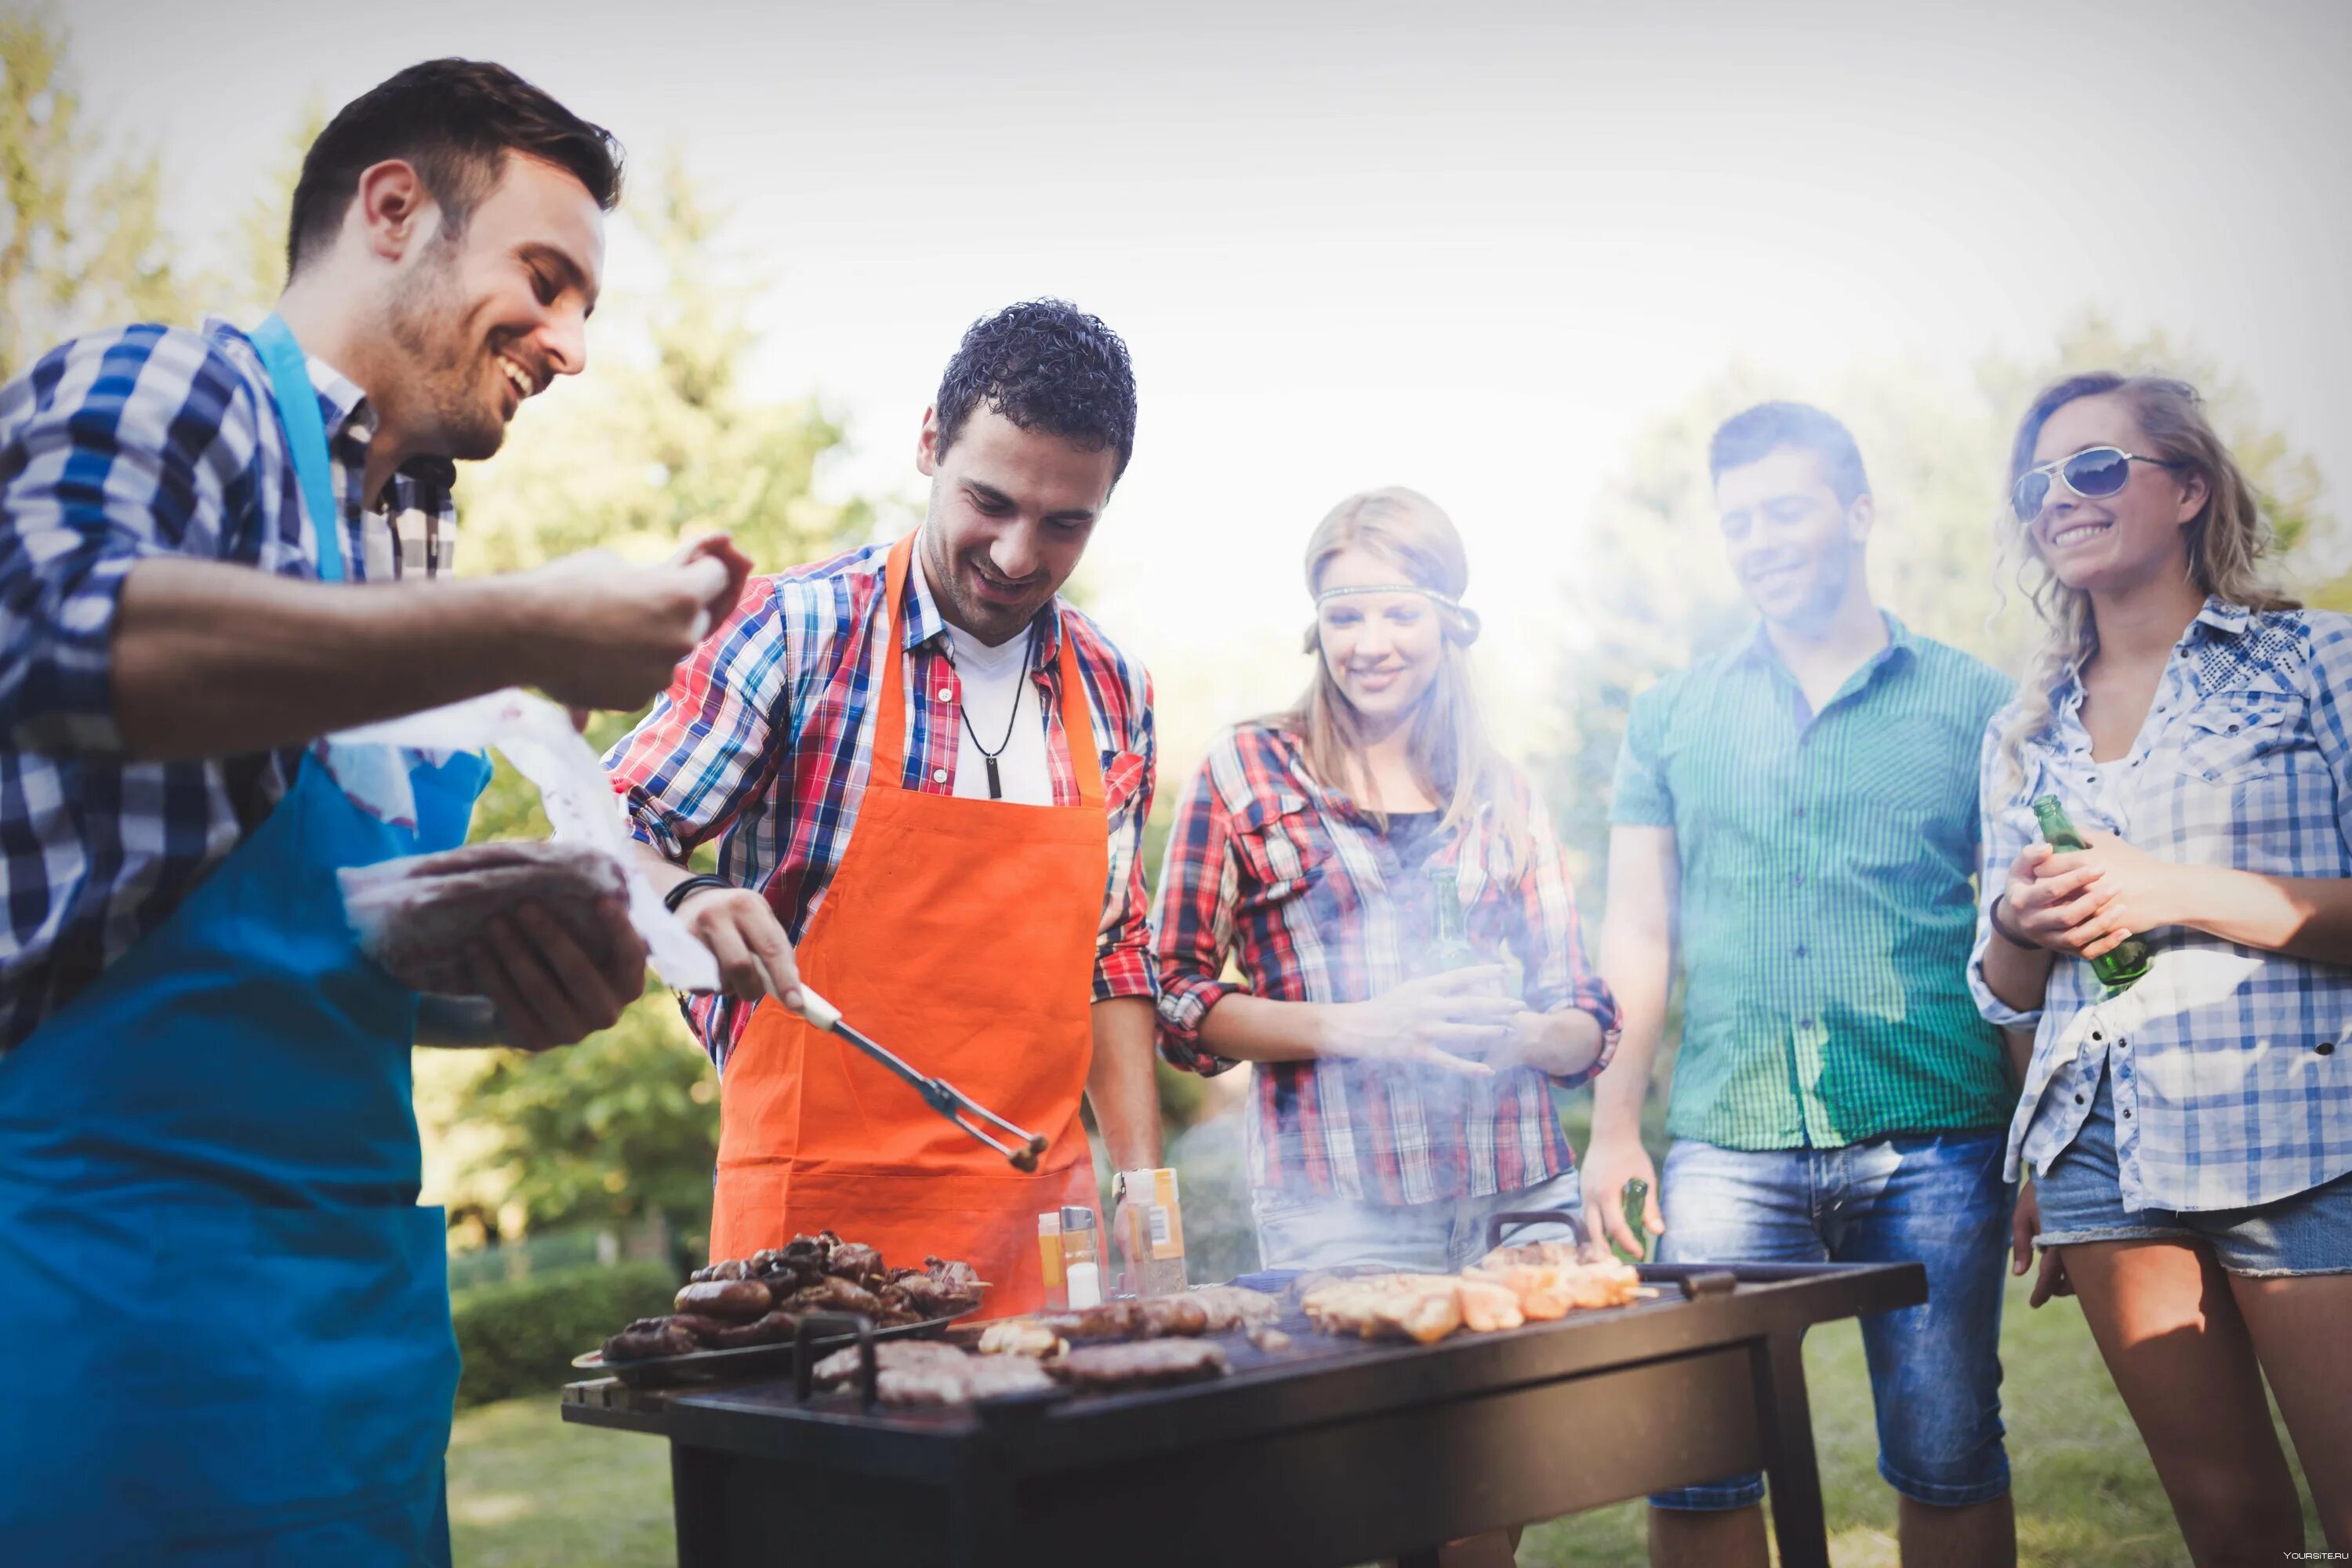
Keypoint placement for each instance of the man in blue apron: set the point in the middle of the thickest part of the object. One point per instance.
(234, 1331)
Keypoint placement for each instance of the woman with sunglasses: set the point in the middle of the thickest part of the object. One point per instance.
(1397, 1103)
(2190, 1132)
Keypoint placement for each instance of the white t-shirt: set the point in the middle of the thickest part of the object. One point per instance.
(995, 680)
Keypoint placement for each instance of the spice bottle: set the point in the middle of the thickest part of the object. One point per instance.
(1081, 1257)
(1049, 1254)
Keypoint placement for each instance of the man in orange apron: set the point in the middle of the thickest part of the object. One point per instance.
(928, 777)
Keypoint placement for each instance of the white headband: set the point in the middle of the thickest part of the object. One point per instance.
(1466, 619)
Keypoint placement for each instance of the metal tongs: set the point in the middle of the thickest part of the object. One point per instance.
(938, 1093)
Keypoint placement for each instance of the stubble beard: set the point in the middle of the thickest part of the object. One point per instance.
(428, 322)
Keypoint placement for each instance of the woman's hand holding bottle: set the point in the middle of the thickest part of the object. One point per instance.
(1442, 1020)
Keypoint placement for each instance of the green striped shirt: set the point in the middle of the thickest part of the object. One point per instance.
(1826, 910)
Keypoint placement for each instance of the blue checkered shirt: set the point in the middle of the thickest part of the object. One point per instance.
(147, 441)
(2231, 1067)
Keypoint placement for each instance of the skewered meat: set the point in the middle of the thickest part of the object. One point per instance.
(1424, 1307)
(1021, 1336)
(957, 1274)
(1146, 1364)
(1231, 1307)
(1268, 1338)
(736, 1300)
(422, 917)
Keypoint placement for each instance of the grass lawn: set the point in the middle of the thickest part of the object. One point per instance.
(528, 1492)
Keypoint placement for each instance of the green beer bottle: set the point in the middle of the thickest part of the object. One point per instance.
(2129, 961)
(1637, 1197)
(1452, 949)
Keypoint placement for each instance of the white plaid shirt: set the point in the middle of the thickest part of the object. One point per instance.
(2231, 1067)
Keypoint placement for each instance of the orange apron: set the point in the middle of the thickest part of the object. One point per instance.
(960, 933)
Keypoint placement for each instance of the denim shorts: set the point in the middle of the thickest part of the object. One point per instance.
(2082, 1200)
(1295, 1232)
(1935, 1198)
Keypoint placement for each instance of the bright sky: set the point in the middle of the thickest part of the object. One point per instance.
(1465, 248)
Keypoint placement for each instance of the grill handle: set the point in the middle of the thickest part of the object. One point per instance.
(1575, 1223)
(818, 1324)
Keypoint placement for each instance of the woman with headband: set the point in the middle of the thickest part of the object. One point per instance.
(1397, 1103)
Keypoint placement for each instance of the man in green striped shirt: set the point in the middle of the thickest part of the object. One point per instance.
(1798, 817)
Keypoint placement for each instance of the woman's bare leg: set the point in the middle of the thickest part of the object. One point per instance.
(2169, 1325)
(2298, 1329)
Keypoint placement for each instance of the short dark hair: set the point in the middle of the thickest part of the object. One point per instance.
(1046, 366)
(455, 121)
(1754, 434)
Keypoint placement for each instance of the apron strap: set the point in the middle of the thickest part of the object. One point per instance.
(306, 438)
(889, 764)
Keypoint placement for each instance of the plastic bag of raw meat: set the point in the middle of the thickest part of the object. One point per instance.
(419, 917)
(422, 917)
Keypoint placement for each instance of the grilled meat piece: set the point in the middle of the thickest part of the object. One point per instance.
(1424, 1307)
(1553, 1290)
(926, 1371)
(726, 1268)
(650, 1339)
(772, 1329)
(1487, 1308)
(1159, 1317)
(1112, 1320)
(739, 1301)
(1147, 1364)
(833, 1294)
(1231, 1307)
(856, 1262)
(957, 1275)
(1268, 1338)
(702, 1328)
(1021, 1336)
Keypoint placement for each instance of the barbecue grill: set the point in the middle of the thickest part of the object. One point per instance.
(1323, 1451)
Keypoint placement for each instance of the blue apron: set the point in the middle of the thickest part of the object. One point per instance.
(227, 1319)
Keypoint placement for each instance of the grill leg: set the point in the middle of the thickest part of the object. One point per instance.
(698, 1484)
(1789, 1468)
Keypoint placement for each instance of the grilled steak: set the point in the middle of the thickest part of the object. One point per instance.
(1146, 1364)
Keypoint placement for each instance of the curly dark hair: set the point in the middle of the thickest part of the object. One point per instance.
(1046, 366)
(456, 120)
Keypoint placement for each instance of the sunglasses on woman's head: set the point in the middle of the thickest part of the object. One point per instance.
(2099, 472)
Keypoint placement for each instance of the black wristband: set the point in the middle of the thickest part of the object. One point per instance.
(1992, 918)
(695, 884)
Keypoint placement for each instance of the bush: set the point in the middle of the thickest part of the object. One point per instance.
(519, 1338)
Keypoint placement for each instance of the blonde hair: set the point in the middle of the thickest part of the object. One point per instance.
(1451, 755)
(2227, 539)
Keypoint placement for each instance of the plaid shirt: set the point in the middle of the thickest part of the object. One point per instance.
(2232, 1067)
(1268, 867)
(115, 448)
(766, 737)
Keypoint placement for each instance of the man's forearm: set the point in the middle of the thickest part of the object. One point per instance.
(212, 659)
(1637, 959)
(1123, 1084)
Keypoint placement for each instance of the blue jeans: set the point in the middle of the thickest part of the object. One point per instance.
(1935, 1369)
(1429, 1238)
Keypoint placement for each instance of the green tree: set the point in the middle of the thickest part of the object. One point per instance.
(659, 442)
(82, 239)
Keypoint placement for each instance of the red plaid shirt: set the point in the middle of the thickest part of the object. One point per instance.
(1288, 879)
(766, 737)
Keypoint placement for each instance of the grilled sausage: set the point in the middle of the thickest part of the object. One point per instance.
(738, 1301)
